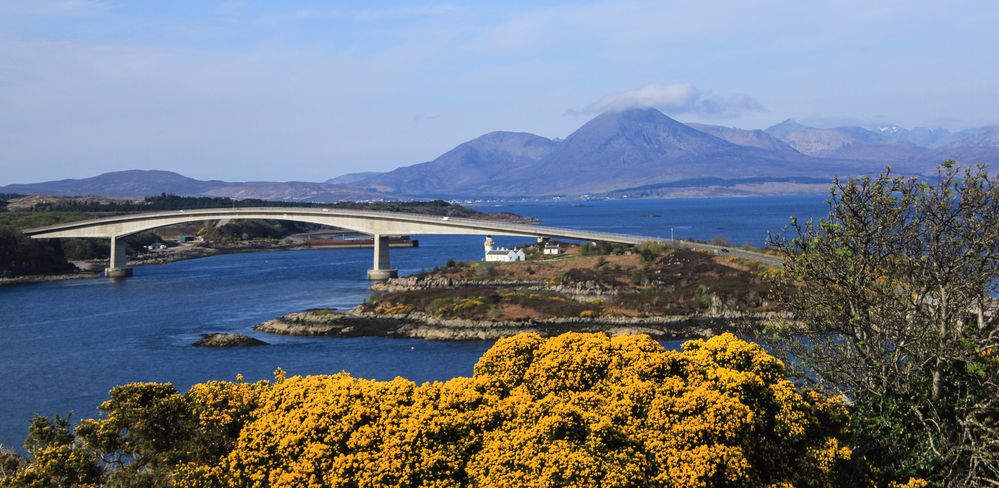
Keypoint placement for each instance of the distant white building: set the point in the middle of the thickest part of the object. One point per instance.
(156, 246)
(552, 248)
(502, 254)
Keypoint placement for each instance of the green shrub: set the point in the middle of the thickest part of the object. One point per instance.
(440, 306)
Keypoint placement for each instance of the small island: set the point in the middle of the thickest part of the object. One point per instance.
(227, 340)
(651, 289)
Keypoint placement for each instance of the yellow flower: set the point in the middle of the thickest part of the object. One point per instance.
(578, 409)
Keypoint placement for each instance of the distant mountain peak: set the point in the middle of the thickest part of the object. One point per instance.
(472, 164)
(637, 112)
(788, 126)
(647, 130)
(791, 123)
(636, 116)
(749, 138)
(509, 137)
(499, 144)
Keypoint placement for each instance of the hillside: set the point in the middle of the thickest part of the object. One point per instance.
(119, 184)
(350, 178)
(852, 143)
(750, 138)
(136, 184)
(475, 166)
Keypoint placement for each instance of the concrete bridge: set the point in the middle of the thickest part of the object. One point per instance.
(380, 225)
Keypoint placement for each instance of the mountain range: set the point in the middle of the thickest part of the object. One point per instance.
(635, 152)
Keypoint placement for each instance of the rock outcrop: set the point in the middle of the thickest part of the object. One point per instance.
(424, 326)
(227, 340)
(585, 290)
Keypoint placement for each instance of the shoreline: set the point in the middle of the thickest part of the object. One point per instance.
(34, 279)
(355, 323)
(94, 269)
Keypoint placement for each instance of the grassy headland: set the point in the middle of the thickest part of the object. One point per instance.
(651, 289)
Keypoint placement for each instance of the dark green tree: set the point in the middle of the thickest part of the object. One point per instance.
(145, 432)
(10, 464)
(21, 255)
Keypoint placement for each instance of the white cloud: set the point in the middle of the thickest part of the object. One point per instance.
(676, 98)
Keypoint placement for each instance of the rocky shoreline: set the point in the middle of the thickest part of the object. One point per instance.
(586, 291)
(354, 323)
(23, 280)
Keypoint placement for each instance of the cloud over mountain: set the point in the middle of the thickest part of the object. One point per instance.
(675, 98)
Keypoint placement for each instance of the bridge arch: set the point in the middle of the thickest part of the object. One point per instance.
(380, 225)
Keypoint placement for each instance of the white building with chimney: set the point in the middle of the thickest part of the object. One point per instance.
(502, 254)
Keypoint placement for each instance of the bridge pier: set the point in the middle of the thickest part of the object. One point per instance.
(118, 264)
(382, 270)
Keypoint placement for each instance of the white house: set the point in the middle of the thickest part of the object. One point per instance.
(156, 246)
(502, 254)
(552, 248)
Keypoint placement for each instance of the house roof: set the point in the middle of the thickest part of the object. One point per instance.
(503, 252)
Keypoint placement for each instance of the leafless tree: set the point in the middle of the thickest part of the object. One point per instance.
(893, 299)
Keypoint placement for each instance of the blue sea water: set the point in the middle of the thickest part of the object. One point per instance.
(63, 345)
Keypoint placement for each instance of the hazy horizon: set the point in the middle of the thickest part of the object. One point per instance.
(239, 90)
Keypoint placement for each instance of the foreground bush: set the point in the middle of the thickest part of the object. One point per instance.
(578, 409)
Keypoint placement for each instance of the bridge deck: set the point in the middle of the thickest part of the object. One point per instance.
(370, 222)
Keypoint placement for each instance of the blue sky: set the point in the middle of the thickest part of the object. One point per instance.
(299, 90)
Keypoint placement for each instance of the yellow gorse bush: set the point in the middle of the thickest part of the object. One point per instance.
(395, 309)
(578, 409)
(574, 410)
